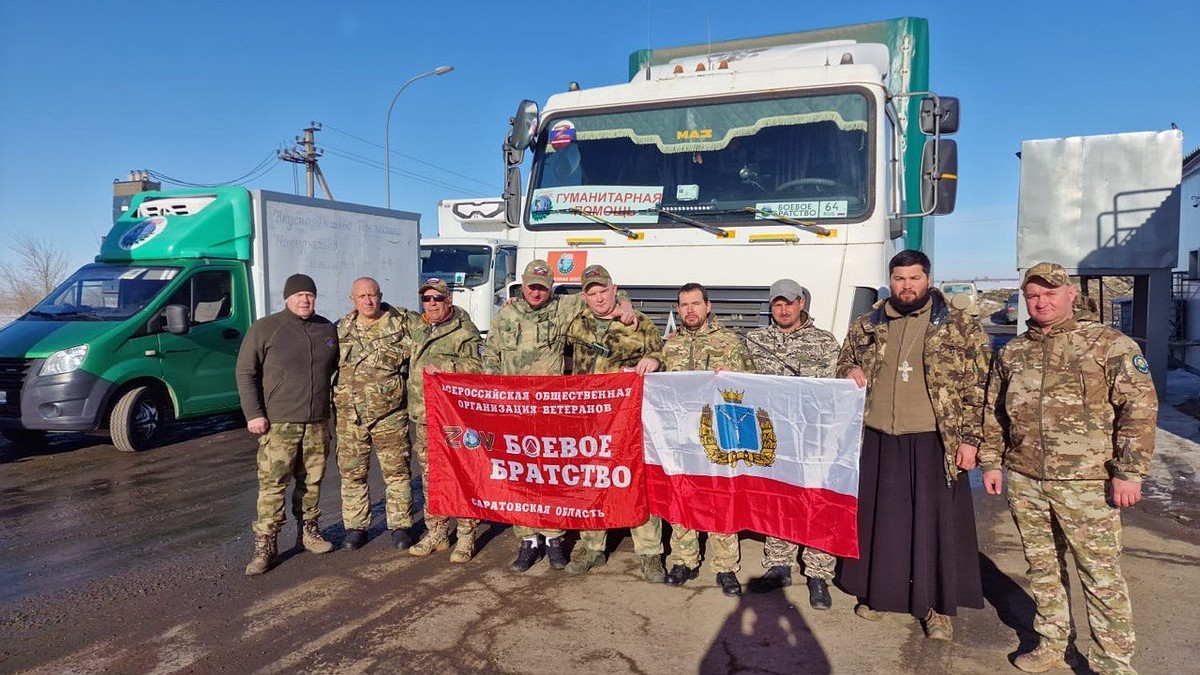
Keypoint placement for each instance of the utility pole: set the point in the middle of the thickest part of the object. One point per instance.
(308, 158)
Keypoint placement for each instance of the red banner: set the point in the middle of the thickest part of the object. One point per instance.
(561, 452)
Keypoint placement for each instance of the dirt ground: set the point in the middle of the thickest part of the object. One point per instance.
(132, 563)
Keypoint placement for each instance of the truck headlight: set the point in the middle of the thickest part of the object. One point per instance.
(64, 360)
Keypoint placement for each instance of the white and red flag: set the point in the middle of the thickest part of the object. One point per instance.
(776, 455)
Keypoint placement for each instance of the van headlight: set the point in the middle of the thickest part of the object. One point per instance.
(64, 360)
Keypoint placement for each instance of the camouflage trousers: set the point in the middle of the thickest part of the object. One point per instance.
(782, 553)
(647, 538)
(523, 532)
(421, 448)
(290, 450)
(389, 437)
(1052, 515)
(721, 550)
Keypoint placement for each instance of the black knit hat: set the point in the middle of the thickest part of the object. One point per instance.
(297, 283)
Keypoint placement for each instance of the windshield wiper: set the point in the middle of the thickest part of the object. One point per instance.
(86, 316)
(799, 224)
(620, 229)
(711, 229)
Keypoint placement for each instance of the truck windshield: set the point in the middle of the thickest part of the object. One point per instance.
(802, 157)
(457, 265)
(103, 293)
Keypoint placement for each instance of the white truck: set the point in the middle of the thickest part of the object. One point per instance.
(812, 155)
(475, 253)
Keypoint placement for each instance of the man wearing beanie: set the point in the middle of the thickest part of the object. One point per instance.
(284, 370)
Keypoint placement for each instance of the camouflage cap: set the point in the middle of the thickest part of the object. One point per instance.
(436, 284)
(1052, 273)
(537, 273)
(595, 274)
(788, 289)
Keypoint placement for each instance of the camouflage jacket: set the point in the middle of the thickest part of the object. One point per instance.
(528, 341)
(956, 368)
(452, 346)
(709, 347)
(1074, 403)
(625, 345)
(372, 366)
(806, 351)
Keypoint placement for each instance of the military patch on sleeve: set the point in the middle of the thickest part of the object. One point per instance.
(1142, 365)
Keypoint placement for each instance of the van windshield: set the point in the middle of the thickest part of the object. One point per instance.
(103, 293)
(467, 266)
(798, 156)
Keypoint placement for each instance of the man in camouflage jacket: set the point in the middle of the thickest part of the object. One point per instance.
(528, 337)
(372, 410)
(703, 344)
(1071, 412)
(793, 346)
(602, 344)
(444, 340)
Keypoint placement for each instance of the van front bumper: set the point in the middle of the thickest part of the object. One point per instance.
(72, 401)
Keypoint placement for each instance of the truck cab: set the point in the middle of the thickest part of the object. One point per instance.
(474, 254)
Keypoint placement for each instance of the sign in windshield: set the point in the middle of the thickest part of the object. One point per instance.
(805, 157)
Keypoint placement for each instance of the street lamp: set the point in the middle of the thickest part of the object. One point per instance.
(387, 153)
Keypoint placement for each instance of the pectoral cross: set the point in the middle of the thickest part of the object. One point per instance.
(904, 369)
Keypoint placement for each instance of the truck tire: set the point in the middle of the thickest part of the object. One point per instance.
(136, 419)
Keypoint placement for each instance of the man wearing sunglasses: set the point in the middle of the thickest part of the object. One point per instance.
(444, 340)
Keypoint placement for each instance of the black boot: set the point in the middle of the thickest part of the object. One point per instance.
(354, 540)
(776, 578)
(529, 554)
(555, 553)
(680, 574)
(729, 584)
(818, 594)
(401, 539)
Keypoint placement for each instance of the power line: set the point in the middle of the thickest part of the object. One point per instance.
(261, 169)
(410, 157)
(376, 164)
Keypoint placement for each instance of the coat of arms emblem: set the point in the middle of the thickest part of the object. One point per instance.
(743, 433)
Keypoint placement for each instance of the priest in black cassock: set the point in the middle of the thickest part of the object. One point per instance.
(925, 366)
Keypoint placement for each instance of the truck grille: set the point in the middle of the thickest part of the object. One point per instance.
(740, 309)
(12, 376)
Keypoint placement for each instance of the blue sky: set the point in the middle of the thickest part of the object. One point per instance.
(203, 92)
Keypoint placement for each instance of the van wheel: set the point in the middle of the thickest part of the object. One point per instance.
(135, 419)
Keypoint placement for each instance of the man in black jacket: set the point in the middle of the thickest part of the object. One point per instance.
(284, 371)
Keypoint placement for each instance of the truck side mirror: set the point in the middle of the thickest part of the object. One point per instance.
(177, 319)
(524, 125)
(939, 176)
(512, 195)
(939, 115)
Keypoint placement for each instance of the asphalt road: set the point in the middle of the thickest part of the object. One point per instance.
(132, 563)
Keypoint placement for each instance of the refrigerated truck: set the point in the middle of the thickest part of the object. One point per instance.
(813, 155)
(475, 253)
(150, 330)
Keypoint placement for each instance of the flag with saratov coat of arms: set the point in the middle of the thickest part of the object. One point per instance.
(776, 455)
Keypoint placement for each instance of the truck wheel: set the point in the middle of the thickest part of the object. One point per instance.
(135, 419)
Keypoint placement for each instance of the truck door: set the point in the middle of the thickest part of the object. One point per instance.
(199, 365)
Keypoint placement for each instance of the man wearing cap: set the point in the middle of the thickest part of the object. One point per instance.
(284, 369)
(372, 411)
(444, 340)
(1071, 411)
(924, 364)
(793, 346)
(528, 337)
(601, 344)
(703, 344)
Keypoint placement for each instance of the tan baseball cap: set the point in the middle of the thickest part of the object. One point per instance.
(436, 284)
(537, 273)
(595, 274)
(1052, 274)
